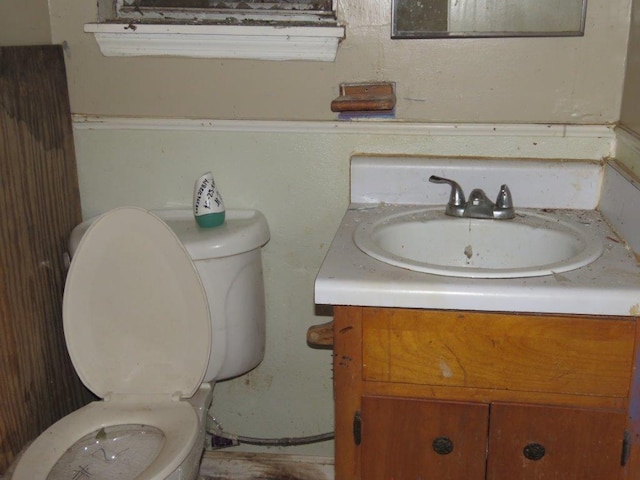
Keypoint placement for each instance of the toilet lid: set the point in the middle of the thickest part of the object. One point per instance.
(135, 313)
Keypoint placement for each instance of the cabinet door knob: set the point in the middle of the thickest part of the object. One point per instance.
(442, 445)
(534, 451)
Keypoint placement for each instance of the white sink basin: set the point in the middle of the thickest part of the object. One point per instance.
(532, 244)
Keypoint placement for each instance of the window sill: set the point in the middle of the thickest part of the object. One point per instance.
(316, 43)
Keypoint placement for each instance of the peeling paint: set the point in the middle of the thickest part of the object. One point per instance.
(445, 369)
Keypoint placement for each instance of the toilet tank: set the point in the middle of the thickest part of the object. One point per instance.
(228, 259)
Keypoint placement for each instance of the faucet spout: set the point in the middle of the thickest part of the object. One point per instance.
(479, 205)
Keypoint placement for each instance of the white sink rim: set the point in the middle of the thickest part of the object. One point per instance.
(586, 246)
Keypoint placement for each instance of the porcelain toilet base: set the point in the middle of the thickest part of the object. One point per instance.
(121, 438)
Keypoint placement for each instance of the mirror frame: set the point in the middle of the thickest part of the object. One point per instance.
(426, 34)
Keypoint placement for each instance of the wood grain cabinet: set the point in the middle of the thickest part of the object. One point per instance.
(426, 395)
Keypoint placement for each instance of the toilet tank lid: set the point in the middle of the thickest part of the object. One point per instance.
(242, 231)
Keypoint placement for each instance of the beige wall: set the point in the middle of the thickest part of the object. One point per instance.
(630, 115)
(298, 176)
(24, 22)
(560, 80)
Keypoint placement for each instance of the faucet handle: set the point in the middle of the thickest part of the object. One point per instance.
(504, 204)
(456, 197)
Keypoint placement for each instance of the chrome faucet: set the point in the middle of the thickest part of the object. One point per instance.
(479, 205)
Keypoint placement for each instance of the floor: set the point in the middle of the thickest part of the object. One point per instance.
(229, 465)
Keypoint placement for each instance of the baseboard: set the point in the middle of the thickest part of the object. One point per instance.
(226, 465)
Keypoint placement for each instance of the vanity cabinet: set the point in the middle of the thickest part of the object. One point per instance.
(424, 394)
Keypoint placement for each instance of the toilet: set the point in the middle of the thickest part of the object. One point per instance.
(155, 310)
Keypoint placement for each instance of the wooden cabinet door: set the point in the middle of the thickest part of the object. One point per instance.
(409, 439)
(532, 442)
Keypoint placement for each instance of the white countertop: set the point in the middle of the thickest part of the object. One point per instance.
(608, 286)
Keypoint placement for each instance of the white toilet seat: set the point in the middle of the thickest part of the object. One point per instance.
(138, 331)
(136, 316)
(176, 419)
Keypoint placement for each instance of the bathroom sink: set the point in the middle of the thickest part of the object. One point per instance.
(530, 245)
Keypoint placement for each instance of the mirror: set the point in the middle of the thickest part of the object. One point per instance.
(487, 18)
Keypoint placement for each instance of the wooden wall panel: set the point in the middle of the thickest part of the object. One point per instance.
(39, 205)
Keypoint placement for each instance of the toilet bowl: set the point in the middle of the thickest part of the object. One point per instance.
(142, 324)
